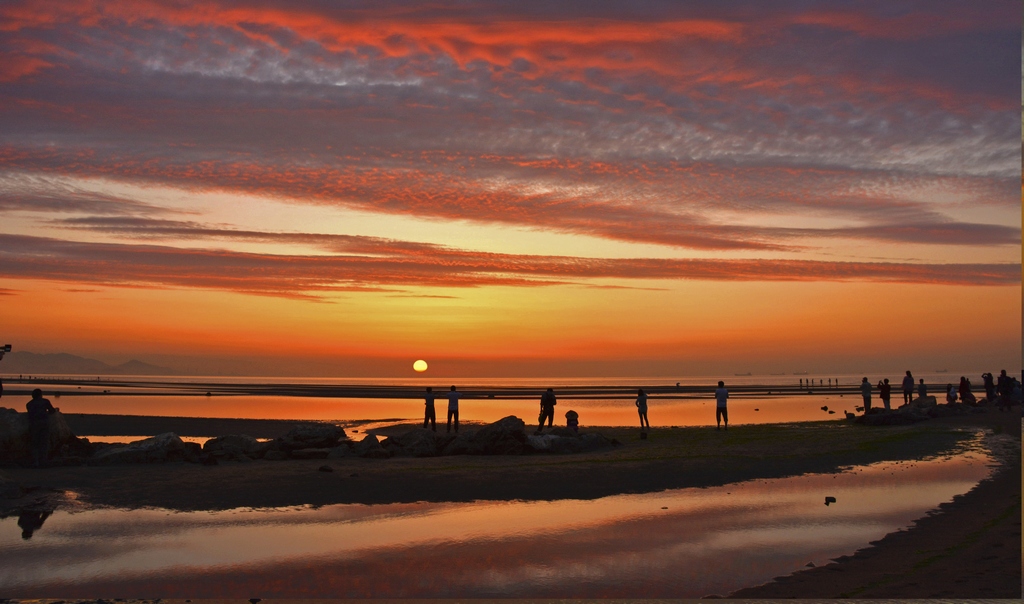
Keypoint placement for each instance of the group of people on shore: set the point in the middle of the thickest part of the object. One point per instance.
(1000, 391)
(572, 419)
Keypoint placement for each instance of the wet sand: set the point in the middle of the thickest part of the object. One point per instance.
(970, 548)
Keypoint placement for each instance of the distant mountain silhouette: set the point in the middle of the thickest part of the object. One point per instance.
(62, 363)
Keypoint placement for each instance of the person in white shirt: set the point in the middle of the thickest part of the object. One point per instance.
(721, 412)
(865, 391)
(453, 409)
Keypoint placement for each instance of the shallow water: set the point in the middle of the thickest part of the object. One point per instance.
(680, 543)
(592, 412)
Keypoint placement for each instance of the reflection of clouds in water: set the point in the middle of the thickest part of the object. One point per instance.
(708, 540)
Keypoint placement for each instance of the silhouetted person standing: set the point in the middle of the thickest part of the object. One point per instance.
(547, 409)
(721, 411)
(908, 388)
(885, 392)
(1004, 386)
(990, 386)
(429, 415)
(865, 391)
(39, 410)
(641, 409)
(453, 409)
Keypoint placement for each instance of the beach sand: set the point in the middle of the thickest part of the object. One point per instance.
(967, 549)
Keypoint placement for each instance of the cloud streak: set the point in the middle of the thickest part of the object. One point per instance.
(380, 265)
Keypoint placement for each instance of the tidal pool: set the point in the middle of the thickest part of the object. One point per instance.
(681, 543)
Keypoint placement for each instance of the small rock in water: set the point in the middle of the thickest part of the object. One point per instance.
(325, 468)
(824, 408)
(664, 507)
(829, 500)
(756, 409)
(809, 565)
(831, 412)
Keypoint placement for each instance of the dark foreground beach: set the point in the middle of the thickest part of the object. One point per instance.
(970, 548)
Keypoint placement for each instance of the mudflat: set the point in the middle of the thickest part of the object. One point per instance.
(968, 548)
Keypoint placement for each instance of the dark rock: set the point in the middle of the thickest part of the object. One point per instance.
(371, 448)
(311, 436)
(311, 453)
(275, 455)
(550, 443)
(342, 450)
(418, 442)
(159, 448)
(14, 439)
(504, 437)
(234, 444)
(563, 431)
(949, 410)
(829, 500)
(193, 452)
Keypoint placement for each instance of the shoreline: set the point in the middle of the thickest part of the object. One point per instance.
(124, 386)
(969, 547)
(671, 458)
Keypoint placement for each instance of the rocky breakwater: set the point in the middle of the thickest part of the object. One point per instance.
(918, 410)
(156, 449)
(506, 436)
(308, 441)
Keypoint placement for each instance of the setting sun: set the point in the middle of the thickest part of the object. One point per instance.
(420, 366)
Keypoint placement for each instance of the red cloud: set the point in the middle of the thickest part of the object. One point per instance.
(374, 264)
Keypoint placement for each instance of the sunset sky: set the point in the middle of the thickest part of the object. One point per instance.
(513, 188)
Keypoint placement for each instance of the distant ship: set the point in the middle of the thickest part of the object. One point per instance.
(743, 374)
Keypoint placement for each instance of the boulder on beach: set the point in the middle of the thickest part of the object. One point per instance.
(554, 443)
(235, 445)
(370, 447)
(160, 448)
(310, 436)
(507, 436)
(14, 438)
(418, 442)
